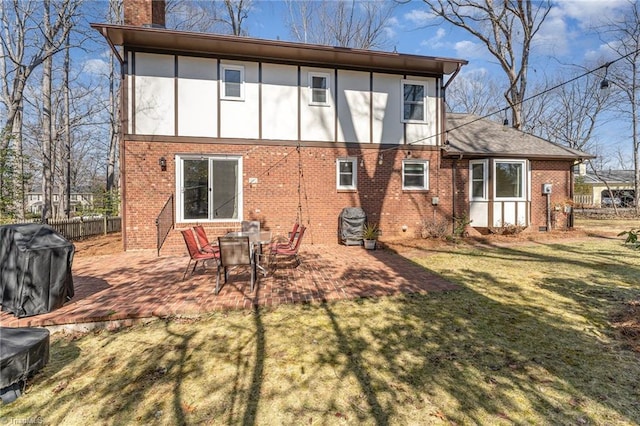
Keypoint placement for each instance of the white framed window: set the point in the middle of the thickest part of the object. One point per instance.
(415, 174)
(478, 180)
(414, 101)
(346, 173)
(232, 82)
(509, 179)
(318, 88)
(209, 188)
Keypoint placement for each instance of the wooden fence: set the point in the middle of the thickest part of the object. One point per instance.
(80, 228)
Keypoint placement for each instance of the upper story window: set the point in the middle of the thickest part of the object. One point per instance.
(232, 82)
(478, 173)
(414, 106)
(319, 87)
(415, 174)
(509, 179)
(346, 173)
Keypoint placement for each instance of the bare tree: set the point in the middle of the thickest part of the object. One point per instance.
(356, 24)
(226, 17)
(25, 44)
(568, 115)
(624, 77)
(474, 93)
(507, 29)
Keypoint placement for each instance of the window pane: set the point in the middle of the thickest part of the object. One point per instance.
(477, 171)
(233, 83)
(346, 166)
(232, 76)
(478, 187)
(196, 201)
(319, 96)
(413, 168)
(509, 180)
(346, 179)
(414, 93)
(414, 181)
(318, 82)
(225, 189)
(413, 112)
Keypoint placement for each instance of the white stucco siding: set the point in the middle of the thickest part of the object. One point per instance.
(240, 118)
(479, 213)
(130, 83)
(515, 213)
(354, 107)
(387, 126)
(154, 94)
(424, 133)
(197, 97)
(317, 121)
(279, 102)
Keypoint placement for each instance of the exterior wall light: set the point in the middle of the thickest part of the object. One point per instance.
(163, 164)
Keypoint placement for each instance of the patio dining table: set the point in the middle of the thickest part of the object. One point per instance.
(257, 240)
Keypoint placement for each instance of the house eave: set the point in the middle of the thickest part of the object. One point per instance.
(273, 50)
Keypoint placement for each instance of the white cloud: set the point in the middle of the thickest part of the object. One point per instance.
(418, 16)
(590, 13)
(468, 49)
(437, 41)
(96, 66)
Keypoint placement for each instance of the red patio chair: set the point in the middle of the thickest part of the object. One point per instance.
(195, 253)
(203, 241)
(289, 243)
(288, 251)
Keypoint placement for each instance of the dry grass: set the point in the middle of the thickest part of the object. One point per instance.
(529, 340)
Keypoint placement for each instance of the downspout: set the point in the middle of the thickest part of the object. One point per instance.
(443, 125)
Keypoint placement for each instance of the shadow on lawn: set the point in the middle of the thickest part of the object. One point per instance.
(480, 349)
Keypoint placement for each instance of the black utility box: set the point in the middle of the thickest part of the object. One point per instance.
(35, 269)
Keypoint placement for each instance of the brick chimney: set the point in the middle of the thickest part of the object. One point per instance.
(144, 13)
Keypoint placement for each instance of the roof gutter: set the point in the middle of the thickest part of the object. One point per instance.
(443, 116)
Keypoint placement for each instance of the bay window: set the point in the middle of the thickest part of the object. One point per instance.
(509, 181)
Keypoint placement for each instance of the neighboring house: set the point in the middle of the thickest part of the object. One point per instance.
(81, 200)
(235, 128)
(621, 183)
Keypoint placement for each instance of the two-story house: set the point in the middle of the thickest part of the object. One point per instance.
(229, 128)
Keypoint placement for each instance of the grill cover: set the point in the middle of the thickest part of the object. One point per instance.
(350, 225)
(35, 269)
(23, 351)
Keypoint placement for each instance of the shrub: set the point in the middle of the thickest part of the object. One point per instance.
(432, 228)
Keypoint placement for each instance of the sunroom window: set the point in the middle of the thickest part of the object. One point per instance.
(509, 179)
(209, 188)
(346, 173)
(415, 174)
(477, 170)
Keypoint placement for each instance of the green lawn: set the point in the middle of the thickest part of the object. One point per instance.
(528, 340)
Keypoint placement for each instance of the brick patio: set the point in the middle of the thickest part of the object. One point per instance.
(139, 285)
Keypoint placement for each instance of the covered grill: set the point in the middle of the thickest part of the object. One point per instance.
(350, 226)
(35, 269)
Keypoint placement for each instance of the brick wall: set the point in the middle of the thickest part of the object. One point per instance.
(144, 12)
(288, 179)
(281, 189)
